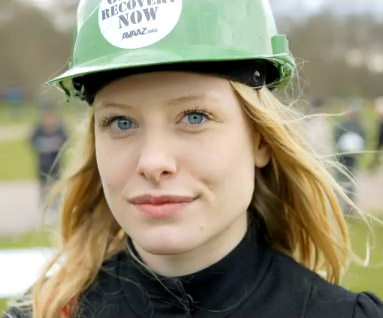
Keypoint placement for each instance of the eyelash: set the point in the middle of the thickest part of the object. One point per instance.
(197, 109)
(108, 120)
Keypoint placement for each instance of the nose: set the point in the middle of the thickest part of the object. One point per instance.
(156, 161)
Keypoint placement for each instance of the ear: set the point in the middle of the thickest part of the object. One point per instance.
(262, 151)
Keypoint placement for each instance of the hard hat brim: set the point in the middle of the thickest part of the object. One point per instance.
(148, 57)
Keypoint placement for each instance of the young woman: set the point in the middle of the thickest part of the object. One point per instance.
(195, 195)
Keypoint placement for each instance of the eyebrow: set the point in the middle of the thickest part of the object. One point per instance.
(109, 104)
(185, 99)
(171, 102)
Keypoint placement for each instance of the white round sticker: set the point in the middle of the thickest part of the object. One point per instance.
(132, 24)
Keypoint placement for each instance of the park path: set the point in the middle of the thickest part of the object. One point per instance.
(19, 206)
(14, 132)
(370, 190)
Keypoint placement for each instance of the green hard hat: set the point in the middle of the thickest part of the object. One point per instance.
(124, 34)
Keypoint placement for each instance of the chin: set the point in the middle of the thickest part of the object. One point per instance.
(164, 250)
(167, 242)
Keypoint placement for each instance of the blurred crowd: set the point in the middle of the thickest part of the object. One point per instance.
(346, 139)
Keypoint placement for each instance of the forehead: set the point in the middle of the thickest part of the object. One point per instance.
(165, 86)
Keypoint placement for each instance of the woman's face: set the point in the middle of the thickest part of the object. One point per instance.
(174, 134)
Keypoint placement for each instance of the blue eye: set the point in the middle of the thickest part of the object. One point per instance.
(124, 123)
(195, 118)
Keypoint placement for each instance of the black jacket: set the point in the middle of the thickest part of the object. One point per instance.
(253, 281)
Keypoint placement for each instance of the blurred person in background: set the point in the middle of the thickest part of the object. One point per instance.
(194, 193)
(47, 139)
(349, 143)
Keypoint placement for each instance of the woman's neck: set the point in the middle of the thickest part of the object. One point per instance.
(199, 258)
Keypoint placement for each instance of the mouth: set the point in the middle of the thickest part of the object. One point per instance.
(161, 206)
(160, 199)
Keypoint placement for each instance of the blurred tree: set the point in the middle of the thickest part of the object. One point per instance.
(32, 50)
(341, 56)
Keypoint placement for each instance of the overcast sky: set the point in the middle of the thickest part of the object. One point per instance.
(288, 4)
(341, 7)
(294, 8)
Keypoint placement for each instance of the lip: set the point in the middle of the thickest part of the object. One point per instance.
(161, 206)
(160, 199)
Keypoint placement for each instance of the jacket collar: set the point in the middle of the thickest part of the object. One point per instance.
(218, 289)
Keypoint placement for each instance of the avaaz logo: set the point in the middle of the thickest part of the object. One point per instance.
(133, 24)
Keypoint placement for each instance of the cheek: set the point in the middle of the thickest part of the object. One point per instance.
(113, 165)
(225, 164)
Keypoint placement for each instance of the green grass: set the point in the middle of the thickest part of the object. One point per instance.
(28, 240)
(3, 305)
(368, 120)
(17, 161)
(369, 278)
